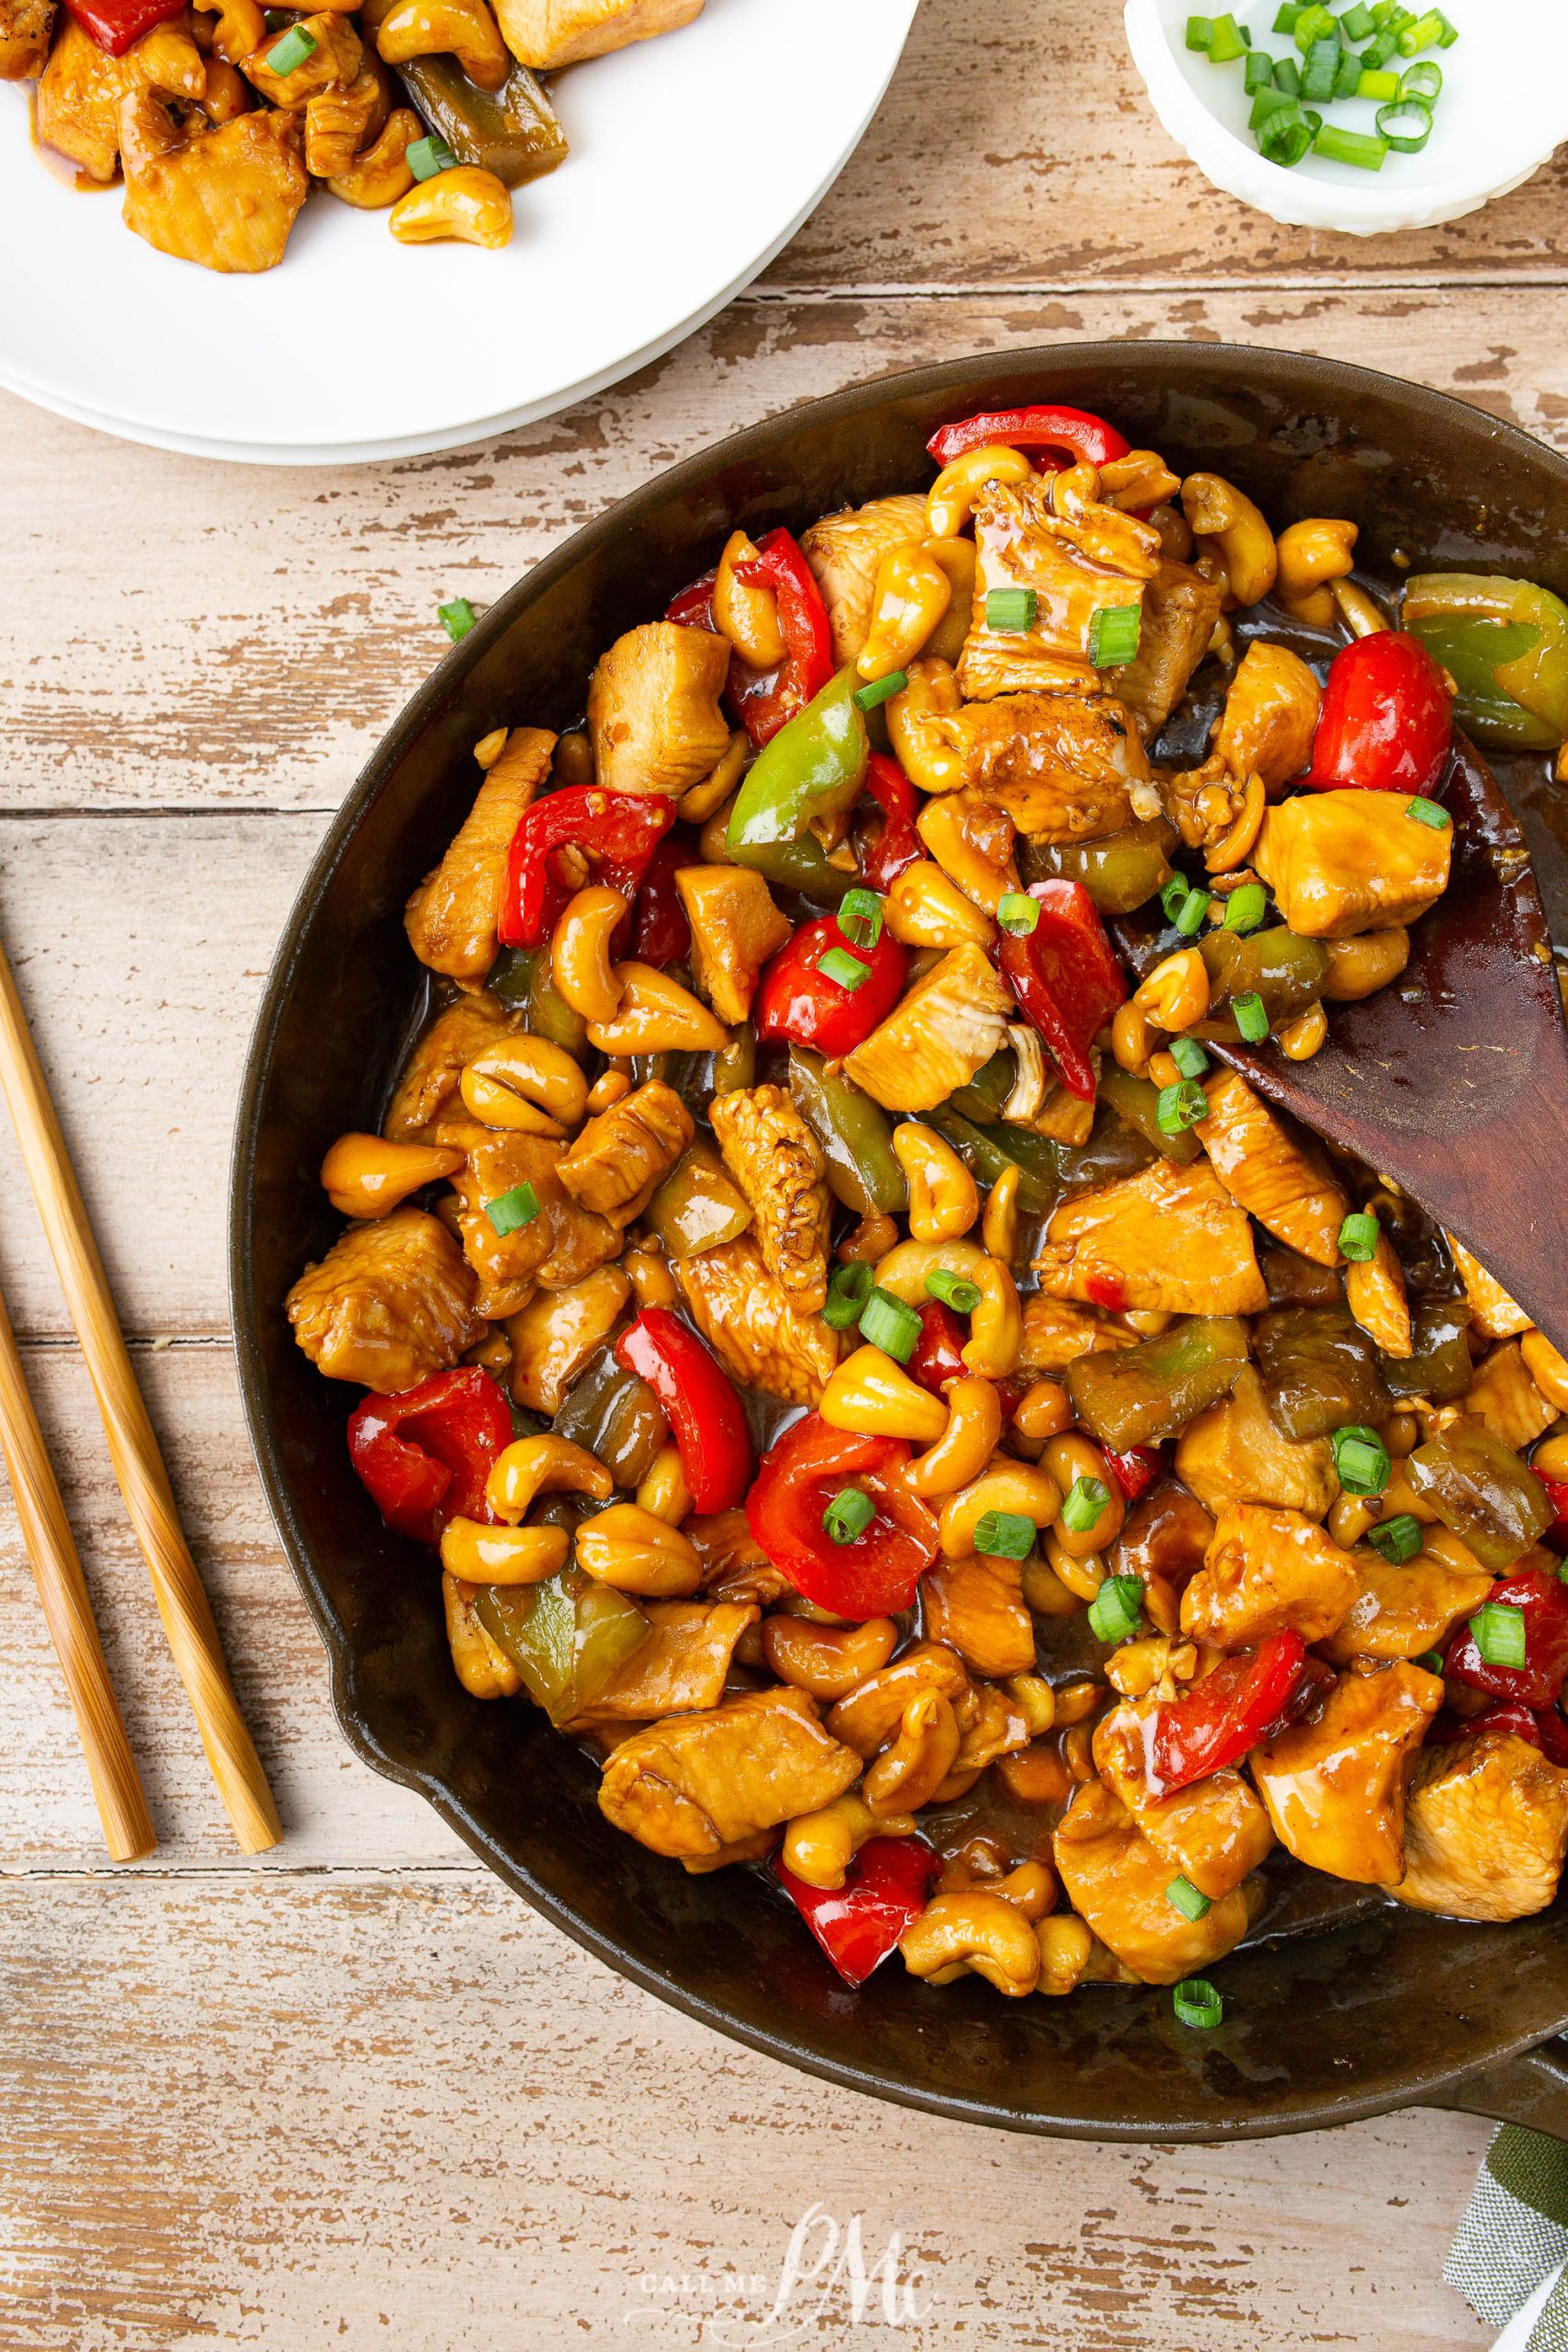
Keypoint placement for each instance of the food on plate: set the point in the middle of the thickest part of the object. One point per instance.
(868, 1366)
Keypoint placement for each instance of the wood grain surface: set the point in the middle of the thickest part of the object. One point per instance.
(354, 2094)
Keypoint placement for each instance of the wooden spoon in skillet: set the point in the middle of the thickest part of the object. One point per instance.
(1453, 1081)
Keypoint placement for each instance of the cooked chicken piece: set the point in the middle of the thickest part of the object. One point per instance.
(1063, 769)
(555, 1248)
(78, 97)
(945, 1028)
(682, 1667)
(1342, 863)
(734, 1566)
(1269, 716)
(1166, 1240)
(1234, 1454)
(389, 1304)
(1056, 1332)
(1334, 1784)
(552, 1337)
(1275, 1175)
(1407, 1611)
(1204, 803)
(1491, 1312)
(226, 198)
(972, 841)
(1181, 609)
(1485, 1826)
(24, 28)
(335, 59)
(341, 122)
(1215, 1833)
(1268, 1571)
(1374, 1293)
(752, 1327)
(1117, 1880)
(845, 551)
(452, 916)
(430, 1075)
(735, 928)
(1074, 565)
(653, 708)
(976, 1606)
(695, 1783)
(1503, 1397)
(620, 1158)
(547, 34)
(778, 1164)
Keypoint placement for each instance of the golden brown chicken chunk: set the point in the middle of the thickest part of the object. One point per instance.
(845, 552)
(760, 1338)
(778, 1164)
(945, 1028)
(1215, 1833)
(552, 1337)
(1406, 1611)
(1268, 1571)
(680, 1669)
(1180, 607)
(389, 1304)
(1269, 716)
(735, 928)
(1491, 1312)
(1275, 1176)
(1074, 566)
(24, 28)
(226, 198)
(1056, 1332)
(430, 1075)
(1117, 1880)
(451, 918)
(1168, 1238)
(547, 34)
(79, 96)
(694, 1784)
(335, 58)
(1374, 1293)
(1334, 1784)
(653, 708)
(1485, 1826)
(557, 1247)
(1506, 1401)
(976, 1606)
(619, 1158)
(1340, 862)
(1233, 1453)
(1063, 769)
(344, 120)
(734, 1566)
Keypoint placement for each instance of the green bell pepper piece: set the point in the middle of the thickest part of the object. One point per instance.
(521, 976)
(1481, 1489)
(1135, 1101)
(1286, 971)
(989, 1150)
(566, 1637)
(1506, 644)
(1119, 870)
(812, 770)
(855, 1133)
(1137, 1395)
(989, 1089)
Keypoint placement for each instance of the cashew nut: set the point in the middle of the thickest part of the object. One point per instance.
(871, 1714)
(461, 28)
(911, 593)
(999, 1223)
(580, 953)
(1038, 1701)
(1312, 554)
(958, 560)
(482, 1555)
(240, 28)
(664, 1491)
(1066, 1944)
(1132, 1040)
(1236, 532)
(828, 1660)
(1069, 1458)
(1140, 479)
(914, 726)
(1045, 1411)
(950, 498)
(747, 616)
(1019, 1488)
(655, 1015)
(365, 1175)
(943, 1199)
(996, 1326)
(629, 1548)
(924, 909)
(382, 174)
(1298, 1039)
(652, 1282)
(1082, 1573)
(972, 841)
(974, 1929)
(1362, 614)
(1358, 968)
(467, 205)
(527, 1084)
(531, 1467)
(482, 1666)
(819, 1847)
(699, 801)
(1176, 992)
(873, 1396)
(907, 1774)
(971, 1435)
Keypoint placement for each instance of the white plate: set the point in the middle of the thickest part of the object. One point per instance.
(695, 157)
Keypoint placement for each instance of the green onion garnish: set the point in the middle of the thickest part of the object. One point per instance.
(1197, 2004)
(1227, 41)
(1361, 1459)
(1498, 1630)
(511, 1211)
(1174, 896)
(953, 1290)
(1199, 31)
(1017, 913)
(1251, 1020)
(880, 690)
(1004, 1535)
(457, 618)
(1086, 1502)
(845, 970)
(1259, 72)
(1285, 22)
(847, 1290)
(859, 917)
(1427, 812)
(886, 1323)
(849, 1514)
(1357, 147)
(427, 157)
(1183, 1896)
(1359, 1238)
(1397, 1539)
(1321, 70)
(1423, 33)
(1117, 1608)
(1424, 81)
(1348, 75)
(1113, 634)
(1356, 23)
(1284, 135)
(1406, 125)
(1381, 87)
(1431, 1659)
(1287, 77)
(1190, 915)
(1246, 908)
(1314, 24)
(1011, 610)
(1189, 1057)
(288, 55)
(1449, 33)
(1181, 1106)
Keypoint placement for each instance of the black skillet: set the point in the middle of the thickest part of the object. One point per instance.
(1343, 2016)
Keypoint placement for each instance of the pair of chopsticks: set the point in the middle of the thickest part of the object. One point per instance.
(182, 1605)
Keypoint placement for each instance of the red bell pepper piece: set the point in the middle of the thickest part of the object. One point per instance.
(114, 24)
(1542, 1596)
(1542, 1726)
(876, 1574)
(1137, 1469)
(1386, 723)
(766, 699)
(886, 1887)
(1226, 1715)
(617, 831)
(938, 1358)
(700, 1403)
(1066, 978)
(424, 1455)
(1557, 1495)
(692, 608)
(799, 1003)
(660, 934)
(897, 844)
(1084, 439)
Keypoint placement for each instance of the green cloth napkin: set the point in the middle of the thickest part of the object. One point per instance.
(1514, 2236)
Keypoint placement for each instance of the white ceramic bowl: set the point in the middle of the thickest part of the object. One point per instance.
(1503, 110)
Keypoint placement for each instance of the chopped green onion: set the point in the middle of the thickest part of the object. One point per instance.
(1397, 1539)
(1113, 634)
(1431, 1659)
(1227, 41)
(1498, 1630)
(1011, 610)
(1348, 75)
(1423, 33)
(1189, 1057)
(1017, 913)
(1183, 1896)
(1117, 1608)
(1359, 1238)
(859, 917)
(1424, 81)
(1285, 136)
(428, 157)
(848, 1515)
(1427, 812)
(1285, 22)
(1287, 77)
(1360, 1457)
(1003, 1535)
(953, 1290)
(845, 970)
(1357, 147)
(1188, 916)
(1406, 125)
(457, 618)
(1178, 1107)
(1259, 73)
(1321, 70)
(1173, 897)
(288, 55)
(1356, 23)
(1197, 2004)
(1381, 86)
(1200, 32)
(1246, 908)
(509, 1212)
(848, 1290)
(1378, 51)
(1312, 24)
(1247, 1013)
(880, 690)
(1086, 1501)
(1449, 33)
(886, 1323)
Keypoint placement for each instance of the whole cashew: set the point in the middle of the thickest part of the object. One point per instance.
(971, 1435)
(629, 1548)
(531, 1467)
(365, 1175)
(943, 1198)
(977, 1930)
(580, 953)
(996, 1327)
(828, 1660)
(909, 1772)
(1018, 1489)
(467, 206)
(481, 1554)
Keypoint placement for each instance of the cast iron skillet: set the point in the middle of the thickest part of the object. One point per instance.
(1345, 2016)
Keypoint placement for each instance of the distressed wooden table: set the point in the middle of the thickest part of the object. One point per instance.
(357, 2095)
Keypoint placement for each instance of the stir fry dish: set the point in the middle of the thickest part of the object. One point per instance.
(222, 120)
(871, 1370)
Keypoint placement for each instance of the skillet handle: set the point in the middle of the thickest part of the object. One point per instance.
(1531, 2088)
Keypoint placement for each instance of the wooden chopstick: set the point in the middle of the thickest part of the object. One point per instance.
(68, 1612)
(182, 1605)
